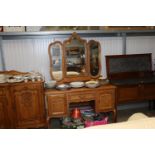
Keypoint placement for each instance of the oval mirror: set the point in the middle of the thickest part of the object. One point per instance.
(94, 49)
(56, 64)
(75, 56)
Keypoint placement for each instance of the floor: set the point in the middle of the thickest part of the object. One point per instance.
(122, 115)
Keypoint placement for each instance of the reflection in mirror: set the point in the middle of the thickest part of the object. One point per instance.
(55, 54)
(94, 56)
(75, 57)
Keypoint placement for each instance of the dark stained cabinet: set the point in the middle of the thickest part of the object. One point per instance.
(148, 91)
(127, 93)
(133, 76)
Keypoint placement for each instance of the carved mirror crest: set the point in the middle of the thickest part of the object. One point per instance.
(75, 53)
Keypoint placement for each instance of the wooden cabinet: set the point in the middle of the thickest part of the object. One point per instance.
(136, 92)
(106, 100)
(81, 97)
(22, 105)
(3, 112)
(28, 102)
(58, 102)
(148, 91)
(133, 76)
(57, 105)
(128, 93)
(4, 108)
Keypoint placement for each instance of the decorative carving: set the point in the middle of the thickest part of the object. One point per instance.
(27, 98)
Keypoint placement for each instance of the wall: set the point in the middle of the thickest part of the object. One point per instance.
(32, 54)
(142, 45)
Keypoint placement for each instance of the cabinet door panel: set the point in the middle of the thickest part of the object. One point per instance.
(5, 108)
(148, 91)
(128, 93)
(2, 113)
(106, 100)
(29, 105)
(57, 105)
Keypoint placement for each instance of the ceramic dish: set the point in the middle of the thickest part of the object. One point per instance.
(3, 81)
(92, 84)
(62, 87)
(50, 84)
(78, 84)
(14, 80)
(2, 77)
(72, 73)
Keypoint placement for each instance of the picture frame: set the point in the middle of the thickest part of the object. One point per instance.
(14, 28)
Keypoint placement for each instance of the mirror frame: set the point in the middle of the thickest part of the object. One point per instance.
(80, 77)
(51, 64)
(99, 58)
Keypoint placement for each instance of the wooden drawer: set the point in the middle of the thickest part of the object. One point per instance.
(81, 97)
(56, 105)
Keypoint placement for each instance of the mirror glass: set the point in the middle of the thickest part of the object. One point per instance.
(94, 52)
(75, 57)
(55, 53)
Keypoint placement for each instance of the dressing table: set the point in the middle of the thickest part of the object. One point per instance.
(73, 60)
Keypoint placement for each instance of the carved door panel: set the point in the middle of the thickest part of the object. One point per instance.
(29, 105)
(106, 100)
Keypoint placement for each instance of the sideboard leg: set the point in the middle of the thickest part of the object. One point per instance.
(150, 105)
(48, 122)
(153, 104)
(115, 115)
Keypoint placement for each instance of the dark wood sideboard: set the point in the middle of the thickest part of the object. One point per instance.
(133, 76)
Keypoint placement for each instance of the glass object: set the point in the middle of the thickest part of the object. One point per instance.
(55, 54)
(75, 54)
(94, 58)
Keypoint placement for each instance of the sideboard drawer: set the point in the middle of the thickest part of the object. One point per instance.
(81, 97)
(56, 105)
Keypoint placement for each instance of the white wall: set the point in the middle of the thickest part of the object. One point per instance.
(0, 61)
(142, 45)
(32, 54)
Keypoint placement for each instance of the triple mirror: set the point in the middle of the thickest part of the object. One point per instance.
(74, 59)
